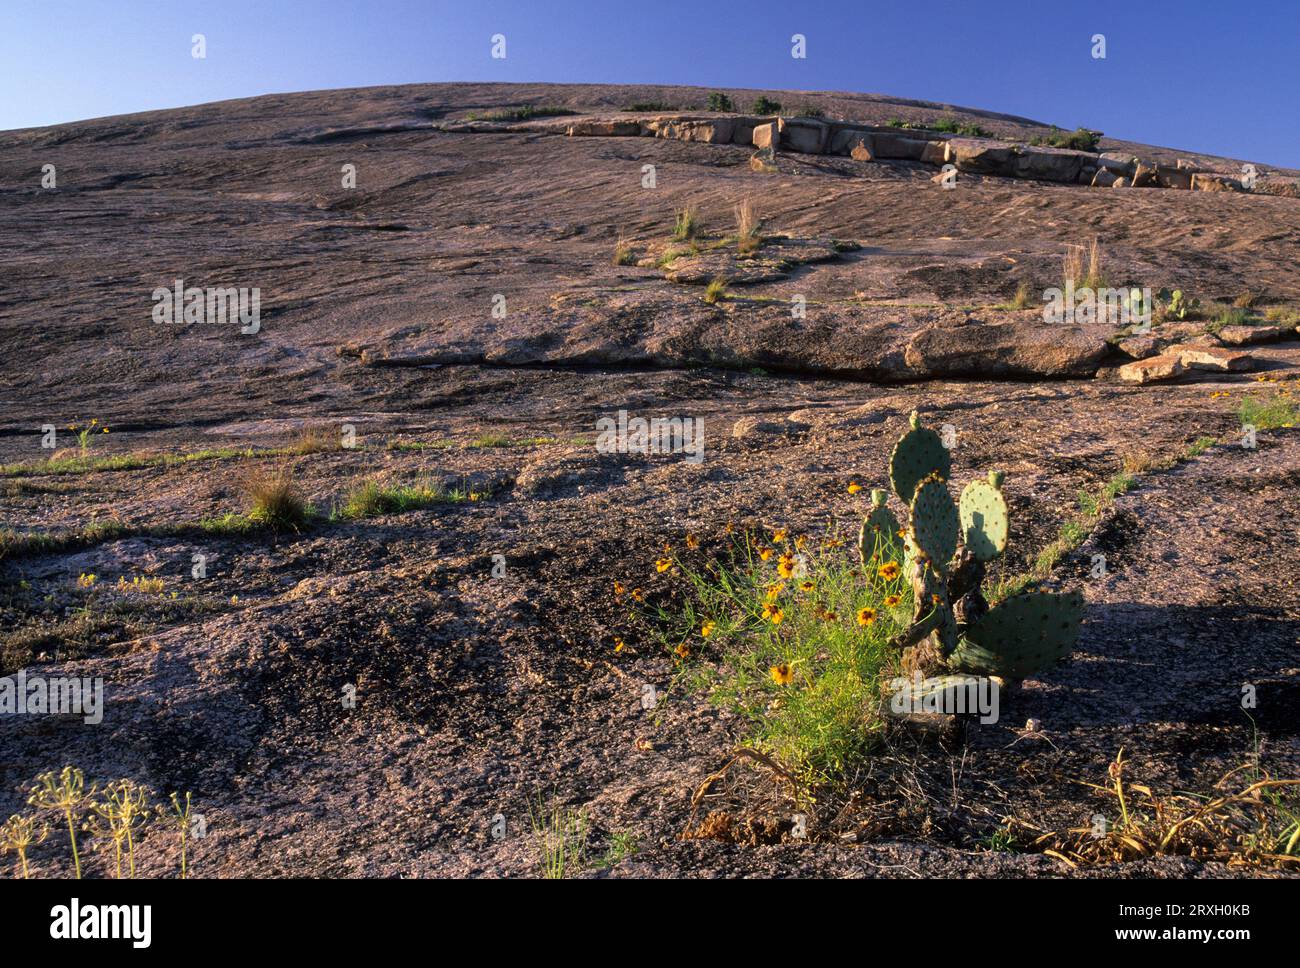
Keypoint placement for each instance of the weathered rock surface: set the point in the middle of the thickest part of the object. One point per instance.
(1018, 349)
(1248, 335)
(1049, 164)
(981, 156)
(1153, 369)
(804, 135)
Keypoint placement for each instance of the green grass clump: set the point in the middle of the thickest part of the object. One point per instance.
(953, 126)
(622, 845)
(561, 839)
(671, 255)
(1080, 139)
(371, 499)
(1268, 413)
(792, 650)
(1199, 446)
(419, 445)
(491, 440)
(716, 290)
(686, 224)
(17, 544)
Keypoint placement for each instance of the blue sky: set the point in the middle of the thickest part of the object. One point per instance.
(1216, 77)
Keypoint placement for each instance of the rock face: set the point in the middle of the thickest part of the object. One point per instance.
(1050, 164)
(763, 161)
(864, 150)
(1174, 177)
(1140, 347)
(1017, 349)
(1176, 361)
(844, 137)
(1216, 358)
(1153, 369)
(751, 428)
(1248, 335)
(804, 135)
(604, 129)
(982, 156)
(1209, 182)
(1144, 177)
(897, 147)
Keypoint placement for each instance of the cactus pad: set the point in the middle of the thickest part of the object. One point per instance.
(879, 533)
(934, 525)
(984, 520)
(943, 695)
(1021, 636)
(918, 454)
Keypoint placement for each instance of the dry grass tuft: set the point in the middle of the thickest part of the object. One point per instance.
(623, 252)
(316, 440)
(1076, 274)
(1138, 462)
(748, 227)
(1258, 824)
(274, 499)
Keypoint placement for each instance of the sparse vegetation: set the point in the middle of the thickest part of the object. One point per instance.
(965, 129)
(560, 834)
(686, 224)
(765, 105)
(748, 229)
(622, 845)
(525, 112)
(64, 793)
(1023, 298)
(623, 253)
(1076, 274)
(720, 102)
(716, 290)
(1080, 139)
(1276, 411)
(799, 638)
(1257, 823)
(652, 106)
(372, 499)
(274, 499)
(316, 440)
(114, 814)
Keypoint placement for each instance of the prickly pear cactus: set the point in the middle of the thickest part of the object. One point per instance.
(934, 525)
(919, 454)
(946, 548)
(879, 533)
(984, 518)
(1021, 636)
